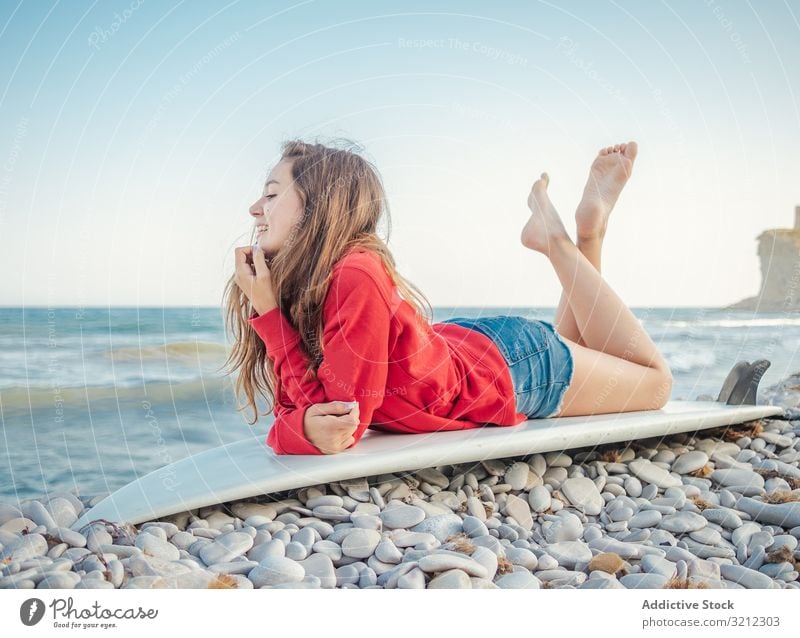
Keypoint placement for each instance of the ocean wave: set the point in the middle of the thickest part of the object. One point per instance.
(23, 398)
(731, 323)
(182, 350)
(685, 360)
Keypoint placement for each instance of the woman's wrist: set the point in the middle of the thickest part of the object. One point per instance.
(264, 308)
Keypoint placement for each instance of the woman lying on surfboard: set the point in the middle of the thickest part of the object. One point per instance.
(341, 342)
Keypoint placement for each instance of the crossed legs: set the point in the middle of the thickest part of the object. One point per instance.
(617, 367)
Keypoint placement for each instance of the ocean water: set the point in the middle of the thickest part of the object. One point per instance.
(92, 398)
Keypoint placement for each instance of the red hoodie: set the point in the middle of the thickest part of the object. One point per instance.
(405, 376)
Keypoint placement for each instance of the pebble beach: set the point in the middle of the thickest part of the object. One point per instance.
(716, 509)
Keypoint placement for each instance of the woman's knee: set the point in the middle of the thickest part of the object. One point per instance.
(663, 388)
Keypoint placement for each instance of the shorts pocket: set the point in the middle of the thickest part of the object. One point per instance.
(530, 375)
(516, 337)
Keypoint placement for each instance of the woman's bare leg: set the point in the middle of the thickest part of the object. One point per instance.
(602, 383)
(604, 321)
(621, 368)
(607, 176)
(564, 321)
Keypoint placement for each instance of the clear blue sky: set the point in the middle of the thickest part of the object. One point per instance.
(135, 134)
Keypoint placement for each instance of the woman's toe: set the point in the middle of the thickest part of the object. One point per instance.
(541, 183)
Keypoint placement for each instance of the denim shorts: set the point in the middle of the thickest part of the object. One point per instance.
(538, 358)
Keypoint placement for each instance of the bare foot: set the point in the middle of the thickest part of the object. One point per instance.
(544, 229)
(609, 172)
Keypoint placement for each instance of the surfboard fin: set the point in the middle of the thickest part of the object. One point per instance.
(730, 381)
(741, 384)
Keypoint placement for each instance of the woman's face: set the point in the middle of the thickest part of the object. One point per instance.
(279, 208)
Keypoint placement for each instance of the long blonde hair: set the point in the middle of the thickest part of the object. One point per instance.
(343, 199)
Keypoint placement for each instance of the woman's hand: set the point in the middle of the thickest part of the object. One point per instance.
(254, 278)
(330, 426)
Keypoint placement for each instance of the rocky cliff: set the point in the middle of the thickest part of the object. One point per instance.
(779, 251)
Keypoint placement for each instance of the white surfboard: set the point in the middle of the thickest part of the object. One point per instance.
(250, 468)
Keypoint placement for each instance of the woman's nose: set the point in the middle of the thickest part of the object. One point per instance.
(256, 210)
